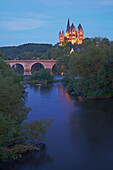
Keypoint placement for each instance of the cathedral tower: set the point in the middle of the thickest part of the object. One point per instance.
(67, 30)
(72, 35)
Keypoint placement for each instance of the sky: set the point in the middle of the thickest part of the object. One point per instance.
(39, 21)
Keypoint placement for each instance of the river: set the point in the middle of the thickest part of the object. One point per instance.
(81, 137)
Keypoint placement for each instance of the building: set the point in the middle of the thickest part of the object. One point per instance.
(72, 35)
(75, 50)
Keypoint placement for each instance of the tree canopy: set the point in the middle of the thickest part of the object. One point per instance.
(94, 65)
(42, 75)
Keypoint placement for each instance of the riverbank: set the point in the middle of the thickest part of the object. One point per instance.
(56, 79)
(107, 97)
(85, 97)
(42, 82)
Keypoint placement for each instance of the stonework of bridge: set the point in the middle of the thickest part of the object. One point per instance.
(27, 64)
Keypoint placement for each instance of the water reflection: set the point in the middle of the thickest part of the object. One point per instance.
(41, 88)
(92, 127)
(30, 160)
(82, 131)
(81, 137)
(33, 160)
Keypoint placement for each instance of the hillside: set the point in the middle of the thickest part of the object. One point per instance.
(31, 49)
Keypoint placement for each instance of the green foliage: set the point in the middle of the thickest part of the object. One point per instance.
(29, 56)
(67, 76)
(26, 51)
(2, 55)
(66, 49)
(35, 131)
(46, 55)
(65, 42)
(58, 53)
(55, 70)
(95, 66)
(63, 61)
(16, 137)
(42, 75)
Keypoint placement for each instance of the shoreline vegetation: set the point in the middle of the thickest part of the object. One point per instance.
(94, 65)
(42, 77)
(44, 83)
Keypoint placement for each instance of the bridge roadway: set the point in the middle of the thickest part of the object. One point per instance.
(27, 64)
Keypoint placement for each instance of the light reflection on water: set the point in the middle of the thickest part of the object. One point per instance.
(81, 137)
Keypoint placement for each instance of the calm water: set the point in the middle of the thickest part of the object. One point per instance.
(81, 137)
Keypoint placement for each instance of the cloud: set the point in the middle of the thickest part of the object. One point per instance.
(26, 21)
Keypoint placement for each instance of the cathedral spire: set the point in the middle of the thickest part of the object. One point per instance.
(68, 26)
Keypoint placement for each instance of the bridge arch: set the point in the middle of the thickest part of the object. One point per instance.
(54, 69)
(12, 64)
(36, 67)
(18, 68)
(27, 64)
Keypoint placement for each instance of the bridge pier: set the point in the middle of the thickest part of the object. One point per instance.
(27, 72)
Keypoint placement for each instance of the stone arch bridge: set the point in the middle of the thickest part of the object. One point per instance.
(27, 64)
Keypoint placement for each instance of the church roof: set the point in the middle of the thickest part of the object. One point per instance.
(67, 53)
(72, 26)
(79, 27)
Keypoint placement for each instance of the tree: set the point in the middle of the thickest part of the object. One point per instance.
(58, 53)
(65, 42)
(63, 61)
(95, 67)
(66, 49)
(42, 74)
(16, 137)
(2, 55)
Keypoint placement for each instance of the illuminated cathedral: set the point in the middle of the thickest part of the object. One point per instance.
(72, 35)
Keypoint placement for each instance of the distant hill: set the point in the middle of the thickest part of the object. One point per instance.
(15, 51)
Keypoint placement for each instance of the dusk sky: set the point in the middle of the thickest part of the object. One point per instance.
(39, 21)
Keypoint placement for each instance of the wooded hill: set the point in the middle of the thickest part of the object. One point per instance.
(26, 50)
